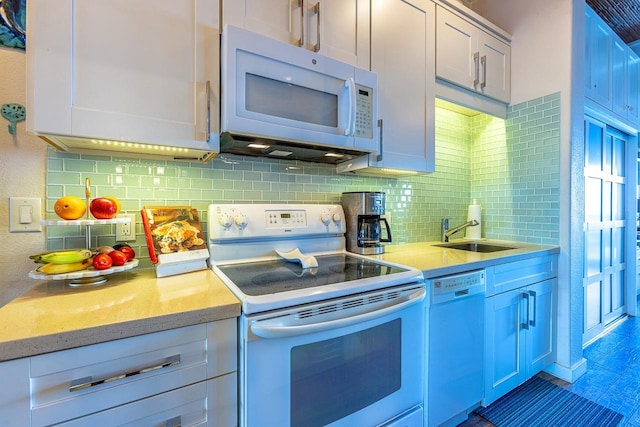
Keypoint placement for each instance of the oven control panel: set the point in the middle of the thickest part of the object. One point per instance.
(230, 221)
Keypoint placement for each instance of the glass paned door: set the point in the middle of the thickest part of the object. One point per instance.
(605, 226)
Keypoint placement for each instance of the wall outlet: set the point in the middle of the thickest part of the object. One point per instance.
(126, 231)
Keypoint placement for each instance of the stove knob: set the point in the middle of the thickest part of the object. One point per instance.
(225, 220)
(325, 218)
(336, 218)
(241, 220)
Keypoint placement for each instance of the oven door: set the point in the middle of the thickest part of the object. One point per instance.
(278, 91)
(357, 360)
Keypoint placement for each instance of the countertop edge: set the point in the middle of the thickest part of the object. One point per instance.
(82, 337)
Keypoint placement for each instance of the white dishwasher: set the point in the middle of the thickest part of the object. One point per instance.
(456, 347)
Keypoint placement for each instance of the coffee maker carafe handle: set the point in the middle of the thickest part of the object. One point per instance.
(386, 224)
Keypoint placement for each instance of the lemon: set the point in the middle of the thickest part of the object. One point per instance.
(70, 207)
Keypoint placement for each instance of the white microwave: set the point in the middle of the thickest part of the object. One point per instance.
(279, 100)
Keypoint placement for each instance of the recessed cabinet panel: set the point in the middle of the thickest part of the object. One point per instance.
(455, 47)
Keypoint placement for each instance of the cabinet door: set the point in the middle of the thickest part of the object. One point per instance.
(14, 393)
(122, 70)
(458, 59)
(598, 51)
(339, 29)
(619, 78)
(279, 19)
(540, 335)
(402, 52)
(633, 88)
(495, 67)
(504, 344)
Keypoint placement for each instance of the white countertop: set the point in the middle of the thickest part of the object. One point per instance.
(53, 316)
(436, 261)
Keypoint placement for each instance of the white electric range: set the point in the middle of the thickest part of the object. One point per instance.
(331, 337)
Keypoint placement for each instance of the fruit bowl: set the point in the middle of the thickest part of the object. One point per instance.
(88, 277)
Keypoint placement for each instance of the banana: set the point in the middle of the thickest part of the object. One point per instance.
(70, 256)
(51, 268)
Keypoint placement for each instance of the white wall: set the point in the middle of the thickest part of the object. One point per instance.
(548, 57)
(22, 174)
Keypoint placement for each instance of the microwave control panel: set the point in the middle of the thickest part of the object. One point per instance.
(364, 112)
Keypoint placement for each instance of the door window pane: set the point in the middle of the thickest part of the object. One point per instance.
(334, 378)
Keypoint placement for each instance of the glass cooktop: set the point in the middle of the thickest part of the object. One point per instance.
(269, 277)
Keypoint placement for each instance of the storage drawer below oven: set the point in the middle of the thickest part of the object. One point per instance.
(207, 403)
(73, 383)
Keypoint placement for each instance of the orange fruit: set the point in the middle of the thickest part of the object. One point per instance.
(116, 201)
(70, 207)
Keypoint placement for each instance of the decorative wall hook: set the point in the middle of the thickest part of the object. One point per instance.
(14, 113)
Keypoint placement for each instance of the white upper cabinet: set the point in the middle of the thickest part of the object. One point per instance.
(633, 87)
(402, 55)
(142, 71)
(598, 54)
(338, 29)
(470, 57)
(611, 71)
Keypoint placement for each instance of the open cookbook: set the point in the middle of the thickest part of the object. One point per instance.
(175, 239)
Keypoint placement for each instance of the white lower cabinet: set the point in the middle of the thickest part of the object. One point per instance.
(519, 325)
(207, 403)
(14, 393)
(185, 376)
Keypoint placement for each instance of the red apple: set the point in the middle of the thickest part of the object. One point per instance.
(103, 208)
(118, 257)
(102, 261)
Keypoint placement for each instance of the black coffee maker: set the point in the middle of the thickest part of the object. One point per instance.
(363, 211)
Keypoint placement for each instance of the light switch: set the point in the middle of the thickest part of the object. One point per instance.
(25, 214)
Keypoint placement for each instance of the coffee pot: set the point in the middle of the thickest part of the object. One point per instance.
(363, 212)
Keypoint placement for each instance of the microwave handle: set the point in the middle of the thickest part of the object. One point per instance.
(265, 330)
(351, 86)
(380, 155)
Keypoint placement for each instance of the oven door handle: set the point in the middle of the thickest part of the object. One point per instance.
(266, 330)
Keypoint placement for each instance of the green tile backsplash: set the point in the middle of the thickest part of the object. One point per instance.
(511, 166)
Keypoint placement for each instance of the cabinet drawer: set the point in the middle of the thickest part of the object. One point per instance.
(210, 403)
(77, 382)
(513, 275)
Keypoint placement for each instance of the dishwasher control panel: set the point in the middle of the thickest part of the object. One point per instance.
(449, 288)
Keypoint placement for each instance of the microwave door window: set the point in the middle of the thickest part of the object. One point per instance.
(276, 98)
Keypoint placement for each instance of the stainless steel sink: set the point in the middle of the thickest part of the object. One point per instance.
(475, 247)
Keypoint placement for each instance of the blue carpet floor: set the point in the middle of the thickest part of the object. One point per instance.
(540, 403)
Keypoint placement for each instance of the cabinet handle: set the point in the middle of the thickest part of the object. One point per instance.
(301, 39)
(483, 61)
(381, 144)
(316, 11)
(174, 422)
(535, 304)
(208, 90)
(525, 324)
(86, 382)
(476, 66)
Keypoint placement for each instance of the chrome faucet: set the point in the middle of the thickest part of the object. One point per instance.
(446, 233)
